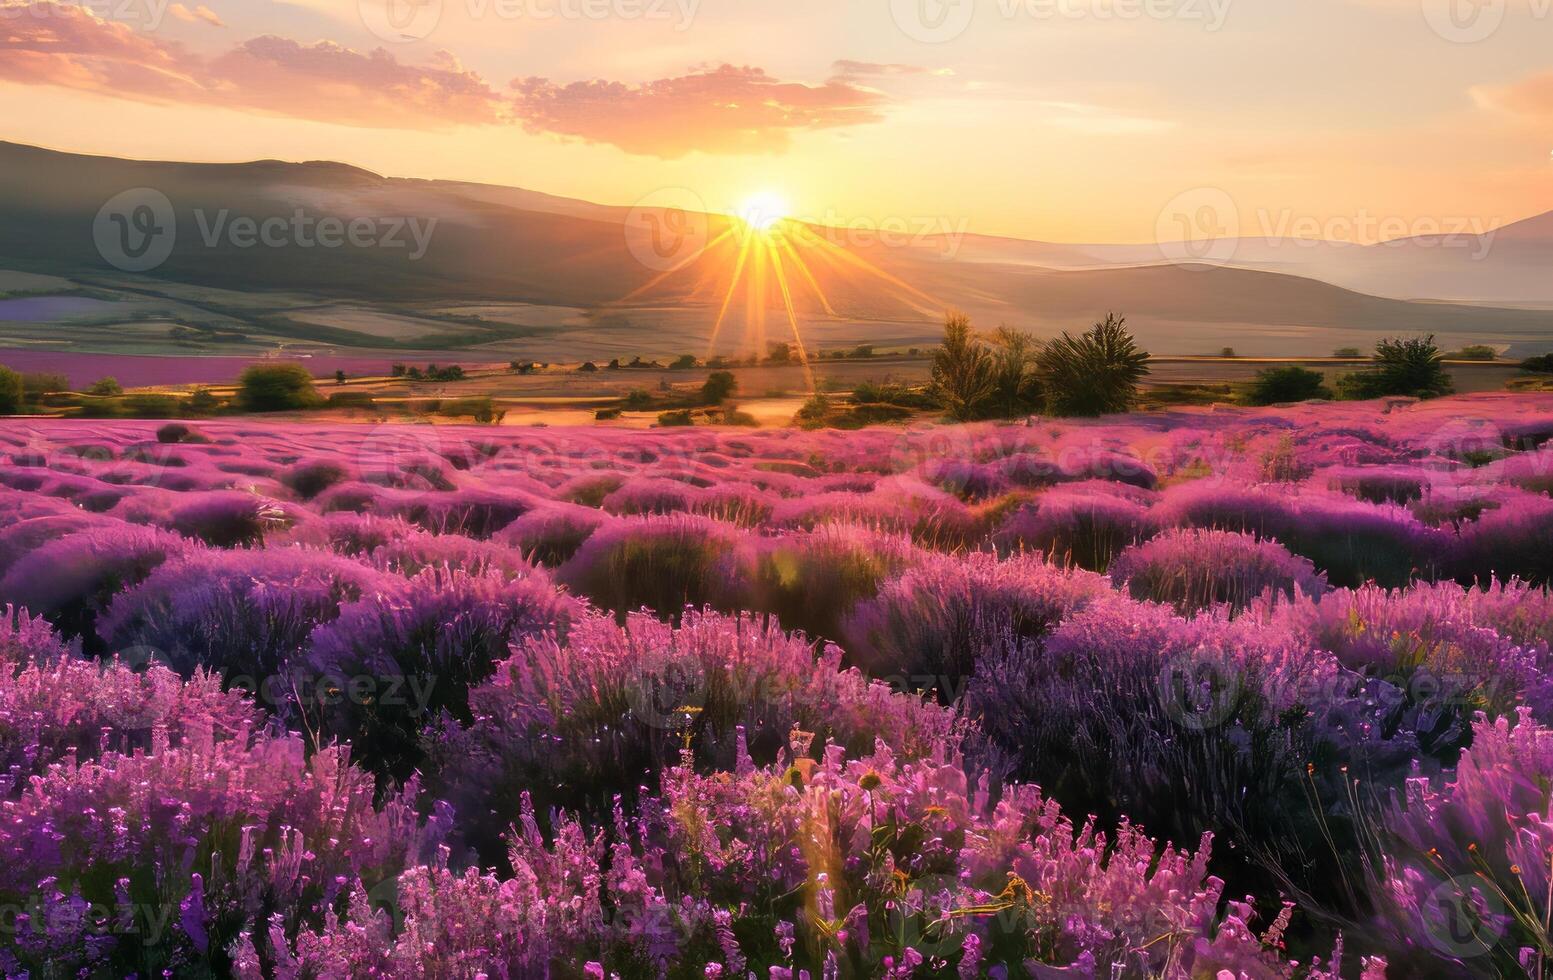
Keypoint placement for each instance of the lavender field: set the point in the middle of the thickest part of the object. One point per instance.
(1230, 693)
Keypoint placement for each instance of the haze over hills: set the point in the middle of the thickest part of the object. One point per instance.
(497, 270)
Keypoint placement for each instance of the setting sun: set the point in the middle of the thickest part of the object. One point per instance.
(762, 211)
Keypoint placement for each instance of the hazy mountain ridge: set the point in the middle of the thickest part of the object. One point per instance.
(510, 245)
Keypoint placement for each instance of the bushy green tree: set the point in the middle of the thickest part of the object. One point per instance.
(1016, 390)
(1541, 364)
(10, 391)
(36, 384)
(106, 387)
(1095, 373)
(1403, 366)
(1474, 352)
(719, 386)
(276, 388)
(964, 373)
(1287, 384)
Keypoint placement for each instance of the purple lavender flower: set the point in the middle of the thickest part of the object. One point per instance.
(1193, 569)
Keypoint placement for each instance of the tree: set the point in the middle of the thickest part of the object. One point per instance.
(964, 378)
(779, 352)
(1095, 373)
(339, 377)
(1474, 352)
(275, 388)
(1287, 384)
(588, 367)
(814, 413)
(683, 362)
(202, 402)
(10, 391)
(719, 387)
(1404, 366)
(106, 387)
(1348, 352)
(1541, 364)
(36, 384)
(1016, 389)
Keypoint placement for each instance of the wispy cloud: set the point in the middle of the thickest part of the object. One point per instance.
(728, 109)
(67, 45)
(1531, 98)
(724, 109)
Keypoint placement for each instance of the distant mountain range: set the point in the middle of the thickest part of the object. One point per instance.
(501, 246)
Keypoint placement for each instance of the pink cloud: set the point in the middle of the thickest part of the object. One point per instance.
(47, 43)
(727, 109)
(1531, 97)
(723, 110)
(200, 12)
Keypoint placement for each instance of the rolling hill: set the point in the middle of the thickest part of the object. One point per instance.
(498, 263)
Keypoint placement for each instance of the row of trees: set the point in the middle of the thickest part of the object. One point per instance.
(1009, 373)
(1402, 366)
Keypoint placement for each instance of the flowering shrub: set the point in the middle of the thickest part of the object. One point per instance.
(1467, 880)
(1508, 542)
(868, 865)
(243, 614)
(1195, 569)
(927, 628)
(812, 581)
(701, 784)
(583, 721)
(1084, 530)
(229, 519)
(662, 563)
(550, 535)
(159, 859)
(70, 580)
(394, 660)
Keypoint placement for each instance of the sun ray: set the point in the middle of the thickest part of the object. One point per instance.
(792, 319)
(733, 286)
(787, 246)
(934, 305)
(694, 256)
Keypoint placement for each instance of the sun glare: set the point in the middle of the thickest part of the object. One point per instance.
(762, 211)
(774, 261)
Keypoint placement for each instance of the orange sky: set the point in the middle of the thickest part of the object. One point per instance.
(1063, 120)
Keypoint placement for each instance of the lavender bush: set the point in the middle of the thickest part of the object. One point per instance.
(709, 702)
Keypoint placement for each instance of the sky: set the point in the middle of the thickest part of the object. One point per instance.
(1055, 120)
